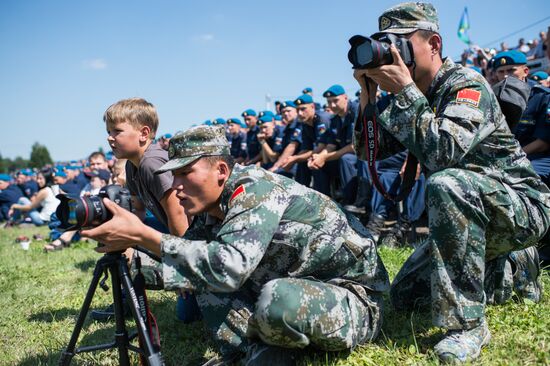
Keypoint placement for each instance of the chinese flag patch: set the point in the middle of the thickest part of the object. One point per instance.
(240, 190)
(468, 96)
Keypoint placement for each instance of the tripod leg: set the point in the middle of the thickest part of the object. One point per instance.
(153, 358)
(121, 335)
(69, 352)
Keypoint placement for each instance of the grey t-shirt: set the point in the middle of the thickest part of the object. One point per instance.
(148, 186)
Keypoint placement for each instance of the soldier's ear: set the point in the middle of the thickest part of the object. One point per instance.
(223, 171)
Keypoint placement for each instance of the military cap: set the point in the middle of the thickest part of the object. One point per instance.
(218, 121)
(507, 58)
(288, 103)
(539, 76)
(303, 99)
(207, 122)
(307, 90)
(249, 112)
(167, 135)
(60, 173)
(266, 113)
(5, 177)
(266, 118)
(408, 17)
(334, 91)
(278, 117)
(237, 121)
(187, 146)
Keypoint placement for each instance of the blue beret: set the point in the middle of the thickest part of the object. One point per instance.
(307, 90)
(207, 122)
(59, 167)
(5, 177)
(60, 173)
(334, 91)
(509, 58)
(73, 167)
(265, 118)
(303, 99)
(266, 113)
(109, 155)
(249, 112)
(278, 117)
(538, 76)
(218, 121)
(237, 121)
(167, 135)
(288, 103)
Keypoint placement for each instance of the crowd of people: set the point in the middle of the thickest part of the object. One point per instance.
(249, 211)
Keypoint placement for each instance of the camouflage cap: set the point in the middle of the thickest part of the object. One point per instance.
(409, 17)
(188, 146)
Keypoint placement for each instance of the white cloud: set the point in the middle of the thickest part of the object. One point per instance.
(95, 64)
(207, 37)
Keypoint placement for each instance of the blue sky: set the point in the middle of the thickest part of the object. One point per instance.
(64, 62)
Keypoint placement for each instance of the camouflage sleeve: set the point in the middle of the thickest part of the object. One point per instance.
(442, 138)
(223, 265)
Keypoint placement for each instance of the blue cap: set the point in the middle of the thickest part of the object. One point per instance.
(538, 76)
(207, 122)
(237, 121)
(266, 118)
(288, 103)
(5, 177)
(278, 117)
(266, 113)
(60, 173)
(334, 91)
(303, 99)
(167, 135)
(73, 167)
(249, 112)
(109, 155)
(218, 121)
(307, 90)
(509, 58)
(101, 173)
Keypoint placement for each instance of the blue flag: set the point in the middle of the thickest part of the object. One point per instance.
(463, 27)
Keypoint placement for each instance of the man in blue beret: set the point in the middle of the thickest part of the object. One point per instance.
(510, 63)
(9, 194)
(253, 153)
(292, 138)
(541, 78)
(271, 140)
(238, 139)
(314, 126)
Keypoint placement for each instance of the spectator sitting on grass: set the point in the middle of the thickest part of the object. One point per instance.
(9, 194)
(42, 205)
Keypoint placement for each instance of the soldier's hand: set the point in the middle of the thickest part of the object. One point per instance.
(392, 78)
(122, 231)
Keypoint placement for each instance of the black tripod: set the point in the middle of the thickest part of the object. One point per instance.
(116, 264)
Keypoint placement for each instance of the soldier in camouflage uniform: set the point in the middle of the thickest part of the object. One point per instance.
(483, 197)
(273, 263)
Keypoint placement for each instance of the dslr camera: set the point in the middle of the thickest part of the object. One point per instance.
(76, 213)
(374, 51)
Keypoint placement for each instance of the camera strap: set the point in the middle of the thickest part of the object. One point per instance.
(370, 131)
(146, 314)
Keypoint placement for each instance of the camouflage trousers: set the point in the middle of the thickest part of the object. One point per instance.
(293, 313)
(473, 219)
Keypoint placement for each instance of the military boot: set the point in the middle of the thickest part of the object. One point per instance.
(260, 354)
(397, 235)
(463, 345)
(526, 269)
(375, 226)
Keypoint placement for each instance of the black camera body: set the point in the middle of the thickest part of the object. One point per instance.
(374, 51)
(89, 211)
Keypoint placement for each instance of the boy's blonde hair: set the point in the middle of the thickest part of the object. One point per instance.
(136, 111)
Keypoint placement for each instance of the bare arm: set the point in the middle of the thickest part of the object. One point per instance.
(178, 221)
(537, 146)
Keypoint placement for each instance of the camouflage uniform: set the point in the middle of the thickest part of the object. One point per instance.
(483, 197)
(285, 266)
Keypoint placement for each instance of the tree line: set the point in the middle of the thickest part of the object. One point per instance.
(40, 156)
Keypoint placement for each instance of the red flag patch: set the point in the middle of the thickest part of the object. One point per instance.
(240, 190)
(468, 96)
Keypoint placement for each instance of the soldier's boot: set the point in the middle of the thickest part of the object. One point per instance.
(460, 346)
(260, 354)
(526, 269)
(375, 226)
(397, 235)
(499, 281)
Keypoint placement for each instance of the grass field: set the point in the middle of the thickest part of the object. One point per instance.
(41, 295)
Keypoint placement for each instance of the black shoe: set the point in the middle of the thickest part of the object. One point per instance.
(260, 354)
(397, 236)
(375, 226)
(108, 313)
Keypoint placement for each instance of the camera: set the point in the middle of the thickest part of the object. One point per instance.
(374, 51)
(89, 211)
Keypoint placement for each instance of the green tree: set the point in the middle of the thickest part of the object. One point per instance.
(3, 165)
(40, 156)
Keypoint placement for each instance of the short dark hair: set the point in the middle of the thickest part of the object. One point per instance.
(426, 34)
(213, 159)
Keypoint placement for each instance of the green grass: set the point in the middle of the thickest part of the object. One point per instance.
(41, 295)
